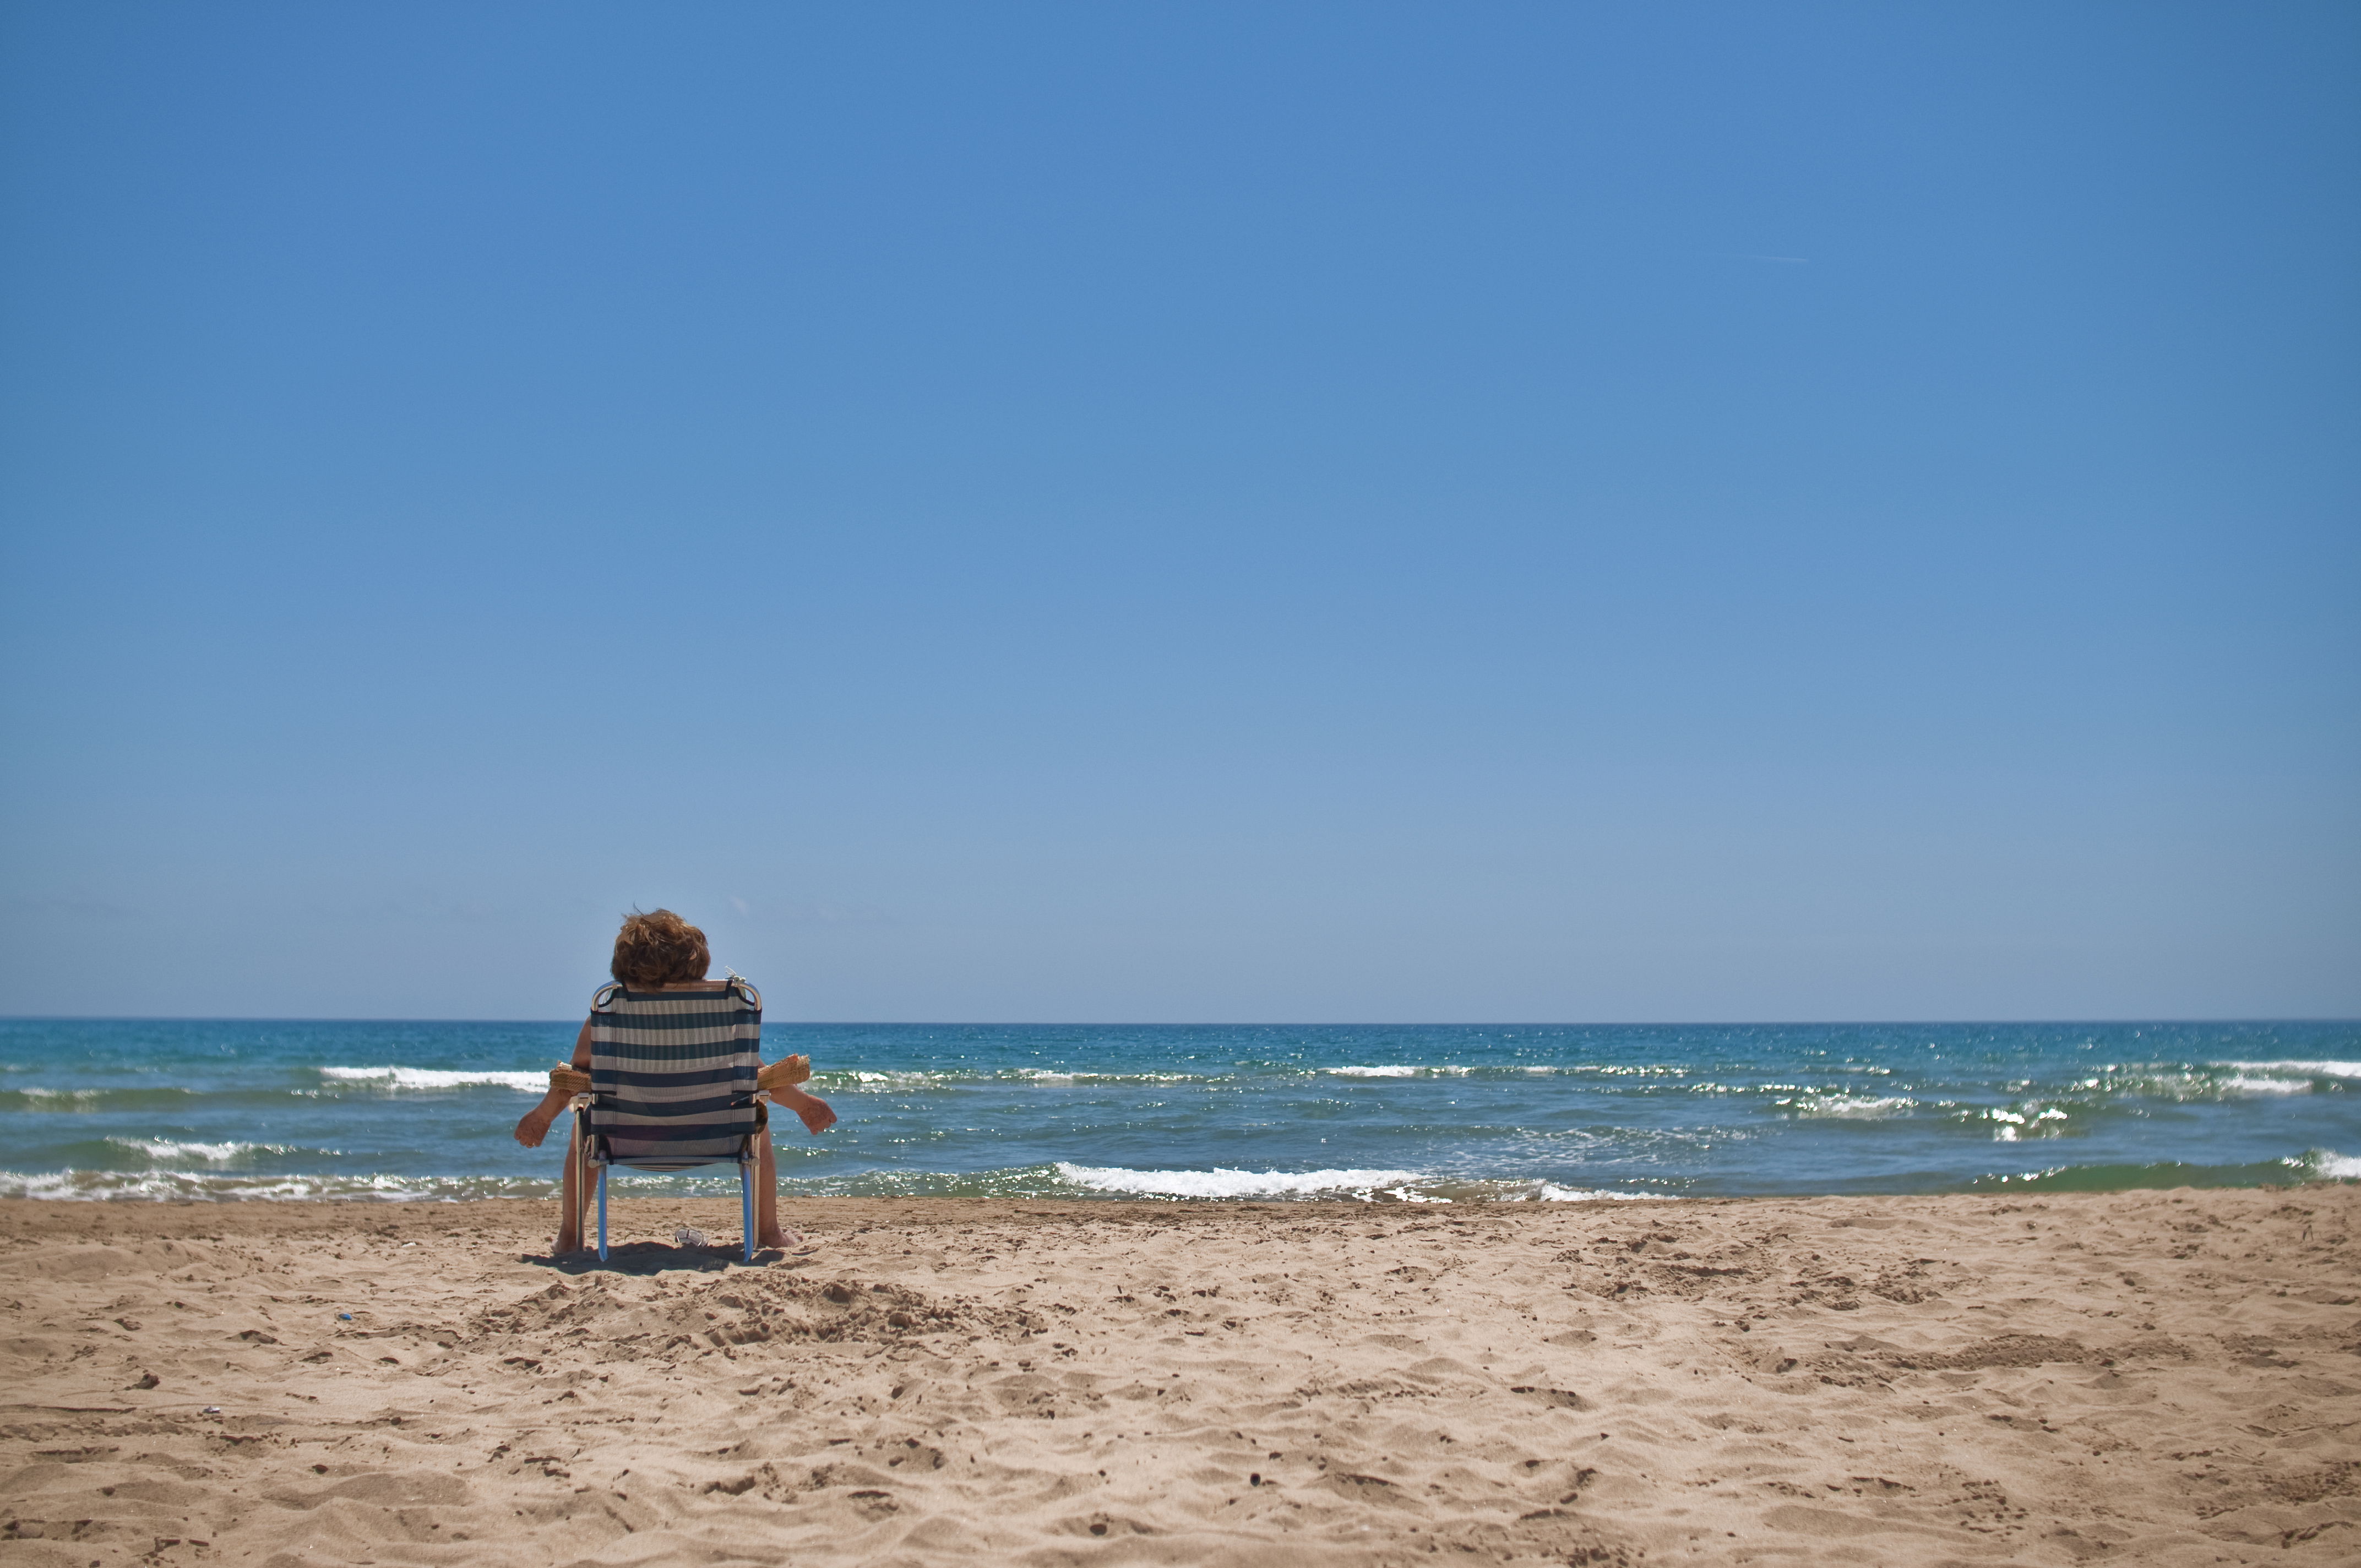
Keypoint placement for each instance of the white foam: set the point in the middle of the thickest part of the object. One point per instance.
(1219, 1183)
(434, 1078)
(1397, 1070)
(1856, 1107)
(170, 1148)
(1551, 1192)
(1060, 1075)
(847, 1077)
(2308, 1068)
(2244, 1085)
(203, 1186)
(2334, 1166)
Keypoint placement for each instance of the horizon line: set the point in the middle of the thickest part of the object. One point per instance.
(1233, 1024)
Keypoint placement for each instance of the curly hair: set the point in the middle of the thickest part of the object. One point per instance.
(658, 948)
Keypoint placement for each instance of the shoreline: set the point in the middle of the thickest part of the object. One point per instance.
(2316, 1167)
(2159, 1376)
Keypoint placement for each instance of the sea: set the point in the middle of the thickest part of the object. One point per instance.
(221, 1110)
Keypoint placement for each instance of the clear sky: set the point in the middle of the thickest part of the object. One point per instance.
(1540, 512)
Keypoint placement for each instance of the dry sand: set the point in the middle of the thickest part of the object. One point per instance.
(2147, 1378)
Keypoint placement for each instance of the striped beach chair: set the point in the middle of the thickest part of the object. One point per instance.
(672, 1088)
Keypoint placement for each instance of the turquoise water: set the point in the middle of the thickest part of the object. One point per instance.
(224, 1109)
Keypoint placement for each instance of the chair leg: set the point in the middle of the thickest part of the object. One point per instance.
(581, 1176)
(746, 1204)
(602, 1213)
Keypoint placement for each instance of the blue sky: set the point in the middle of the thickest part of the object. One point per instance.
(1252, 512)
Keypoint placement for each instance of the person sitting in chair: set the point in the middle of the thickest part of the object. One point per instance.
(661, 958)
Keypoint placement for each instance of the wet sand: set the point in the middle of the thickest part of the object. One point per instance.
(2153, 1377)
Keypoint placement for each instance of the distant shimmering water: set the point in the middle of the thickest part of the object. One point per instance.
(224, 1109)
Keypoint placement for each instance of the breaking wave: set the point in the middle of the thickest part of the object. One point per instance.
(1218, 1183)
(1854, 1107)
(211, 1154)
(91, 1186)
(436, 1078)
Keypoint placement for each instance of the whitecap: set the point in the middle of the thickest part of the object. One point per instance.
(1220, 1183)
(1398, 1071)
(2334, 1166)
(1854, 1107)
(435, 1078)
(2308, 1068)
(173, 1148)
(2245, 1085)
(1058, 1075)
(1551, 1192)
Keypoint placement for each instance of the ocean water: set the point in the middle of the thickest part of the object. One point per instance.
(214, 1109)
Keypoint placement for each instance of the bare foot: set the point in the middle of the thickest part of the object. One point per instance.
(779, 1240)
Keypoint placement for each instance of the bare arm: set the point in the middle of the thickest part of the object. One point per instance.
(779, 1080)
(813, 1112)
(535, 1125)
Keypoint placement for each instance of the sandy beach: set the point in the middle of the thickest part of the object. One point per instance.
(2150, 1377)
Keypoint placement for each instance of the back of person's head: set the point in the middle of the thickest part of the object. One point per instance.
(658, 948)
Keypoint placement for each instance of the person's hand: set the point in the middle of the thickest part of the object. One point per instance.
(814, 1114)
(535, 1126)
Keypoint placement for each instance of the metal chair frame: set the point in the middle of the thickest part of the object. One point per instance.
(590, 1151)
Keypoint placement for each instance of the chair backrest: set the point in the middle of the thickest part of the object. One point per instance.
(672, 1073)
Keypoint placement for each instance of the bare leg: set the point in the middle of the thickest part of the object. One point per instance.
(569, 1228)
(781, 1078)
(766, 1195)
